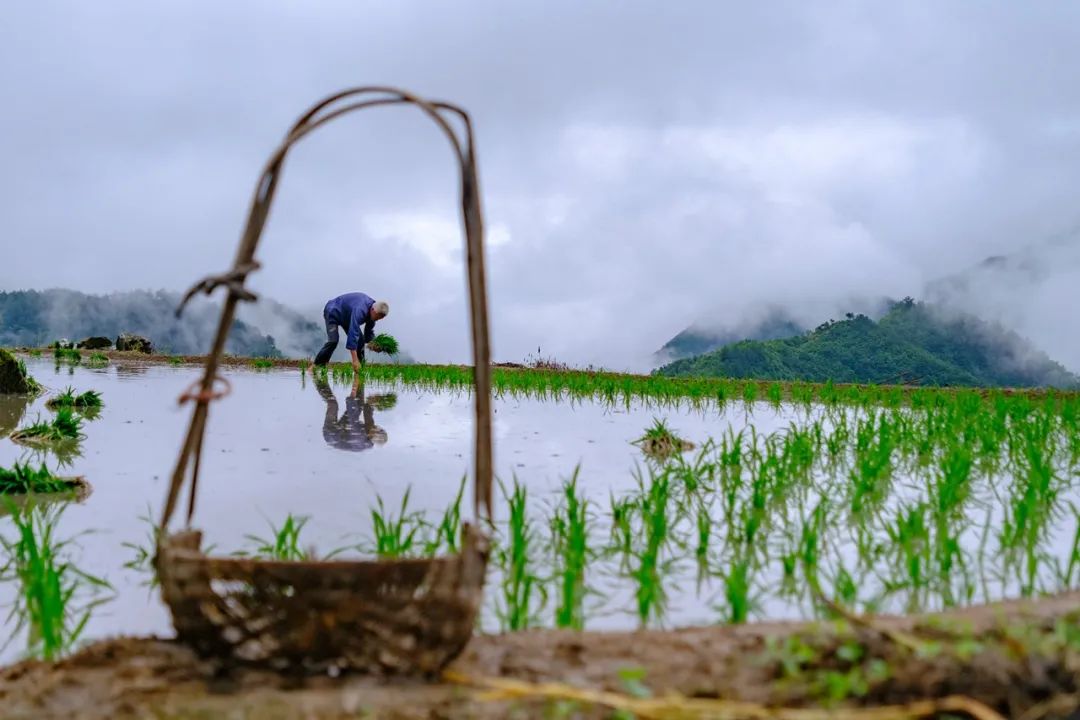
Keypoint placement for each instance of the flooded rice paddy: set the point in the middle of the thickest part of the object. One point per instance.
(887, 509)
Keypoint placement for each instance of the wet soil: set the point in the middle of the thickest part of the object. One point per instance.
(1013, 657)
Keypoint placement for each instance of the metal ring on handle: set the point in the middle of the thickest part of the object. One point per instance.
(472, 218)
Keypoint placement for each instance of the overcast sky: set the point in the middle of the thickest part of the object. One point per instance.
(643, 165)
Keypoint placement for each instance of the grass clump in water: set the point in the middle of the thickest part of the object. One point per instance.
(659, 441)
(98, 360)
(384, 343)
(65, 353)
(23, 479)
(91, 399)
(262, 363)
(50, 586)
(64, 427)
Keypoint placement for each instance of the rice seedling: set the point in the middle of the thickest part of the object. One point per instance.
(262, 363)
(400, 535)
(647, 573)
(64, 427)
(97, 360)
(68, 399)
(775, 394)
(24, 480)
(873, 463)
(283, 543)
(521, 591)
(737, 591)
(55, 598)
(384, 343)
(175, 360)
(571, 549)
(35, 352)
(447, 532)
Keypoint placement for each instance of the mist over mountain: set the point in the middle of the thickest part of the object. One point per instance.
(768, 322)
(697, 339)
(914, 343)
(263, 329)
(1032, 290)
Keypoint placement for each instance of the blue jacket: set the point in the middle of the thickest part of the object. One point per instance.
(350, 311)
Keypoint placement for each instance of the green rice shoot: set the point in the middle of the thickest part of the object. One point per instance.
(283, 543)
(55, 598)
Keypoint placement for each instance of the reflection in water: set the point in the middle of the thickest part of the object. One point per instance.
(355, 430)
(63, 452)
(12, 409)
(131, 369)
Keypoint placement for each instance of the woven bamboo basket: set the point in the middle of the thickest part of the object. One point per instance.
(403, 616)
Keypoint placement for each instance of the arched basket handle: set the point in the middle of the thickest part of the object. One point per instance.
(447, 117)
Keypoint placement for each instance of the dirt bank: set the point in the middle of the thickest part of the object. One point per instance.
(1013, 657)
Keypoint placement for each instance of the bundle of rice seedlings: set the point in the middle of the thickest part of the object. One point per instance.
(384, 343)
(65, 426)
(23, 479)
(68, 398)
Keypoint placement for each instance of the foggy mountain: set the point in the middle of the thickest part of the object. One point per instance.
(263, 329)
(699, 339)
(1032, 291)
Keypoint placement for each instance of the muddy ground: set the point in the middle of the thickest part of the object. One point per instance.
(1019, 657)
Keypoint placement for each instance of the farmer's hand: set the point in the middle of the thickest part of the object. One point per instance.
(356, 360)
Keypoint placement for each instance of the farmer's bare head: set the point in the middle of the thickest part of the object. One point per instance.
(379, 310)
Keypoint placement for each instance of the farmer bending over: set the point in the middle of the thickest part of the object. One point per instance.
(350, 311)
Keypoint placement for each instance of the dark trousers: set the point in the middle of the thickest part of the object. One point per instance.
(323, 355)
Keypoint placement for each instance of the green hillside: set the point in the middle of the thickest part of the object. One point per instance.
(912, 344)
